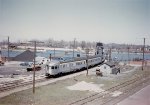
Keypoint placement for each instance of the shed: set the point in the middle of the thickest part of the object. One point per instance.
(108, 68)
(25, 56)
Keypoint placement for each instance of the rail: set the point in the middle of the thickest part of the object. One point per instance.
(11, 85)
(103, 94)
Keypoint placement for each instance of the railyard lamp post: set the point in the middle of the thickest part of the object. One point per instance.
(34, 67)
(143, 55)
(54, 50)
(8, 49)
(34, 64)
(87, 56)
(8, 45)
(110, 50)
(74, 47)
(128, 54)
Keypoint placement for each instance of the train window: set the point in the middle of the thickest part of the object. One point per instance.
(55, 67)
(63, 66)
(86, 61)
(52, 67)
(78, 63)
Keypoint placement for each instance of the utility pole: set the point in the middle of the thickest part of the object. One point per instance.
(87, 56)
(54, 52)
(73, 47)
(34, 67)
(128, 53)
(143, 55)
(34, 64)
(8, 49)
(110, 55)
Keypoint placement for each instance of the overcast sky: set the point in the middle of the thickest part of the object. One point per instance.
(108, 21)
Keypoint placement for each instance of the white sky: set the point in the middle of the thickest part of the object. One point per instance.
(108, 21)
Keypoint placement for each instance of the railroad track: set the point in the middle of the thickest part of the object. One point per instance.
(126, 91)
(20, 83)
(105, 94)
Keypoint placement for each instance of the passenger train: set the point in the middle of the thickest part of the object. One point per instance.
(58, 68)
(77, 64)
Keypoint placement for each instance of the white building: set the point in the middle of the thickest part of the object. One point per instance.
(108, 68)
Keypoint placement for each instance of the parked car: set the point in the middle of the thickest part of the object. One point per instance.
(31, 67)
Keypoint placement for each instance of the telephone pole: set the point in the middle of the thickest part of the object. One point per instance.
(128, 53)
(143, 54)
(35, 42)
(73, 46)
(110, 54)
(87, 57)
(34, 67)
(8, 49)
(54, 52)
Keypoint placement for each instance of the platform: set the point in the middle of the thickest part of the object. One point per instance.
(142, 97)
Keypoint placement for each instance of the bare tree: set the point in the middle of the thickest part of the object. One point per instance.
(49, 42)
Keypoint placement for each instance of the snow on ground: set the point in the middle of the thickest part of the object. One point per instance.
(84, 86)
(129, 71)
(26, 78)
(116, 93)
(13, 63)
(135, 68)
(137, 65)
(3, 80)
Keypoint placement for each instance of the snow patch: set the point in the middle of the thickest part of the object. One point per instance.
(13, 63)
(84, 86)
(116, 93)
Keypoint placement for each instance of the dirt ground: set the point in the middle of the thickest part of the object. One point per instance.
(58, 93)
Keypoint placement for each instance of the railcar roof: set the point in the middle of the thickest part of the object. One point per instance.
(80, 58)
(53, 62)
